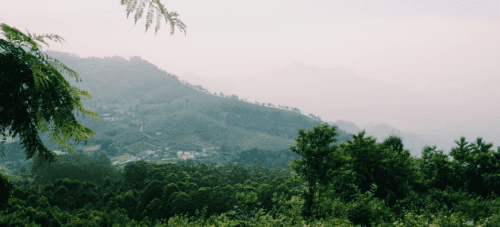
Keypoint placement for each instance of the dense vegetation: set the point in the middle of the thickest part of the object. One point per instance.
(378, 184)
(354, 181)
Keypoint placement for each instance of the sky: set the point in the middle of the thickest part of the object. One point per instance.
(447, 51)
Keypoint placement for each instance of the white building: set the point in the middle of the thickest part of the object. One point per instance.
(59, 152)
(112, 119)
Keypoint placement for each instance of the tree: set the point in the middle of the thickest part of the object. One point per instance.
(7, 187)
(394, 142)
(160, 10)
(438, 172)
(386, 164)
(478, 166)
(319, 160)
(33, 92)
(397, 173)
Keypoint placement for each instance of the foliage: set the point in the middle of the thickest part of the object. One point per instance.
(437, 171)
(386, 165)
(268, 158)
(135, 173)
(37, 94)
(368, 211)
(76, 166)
(318, 160)
(402, 190)
(6, 187)
(478, 167)
(160, 11)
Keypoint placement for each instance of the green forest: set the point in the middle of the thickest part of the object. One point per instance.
(358, 183)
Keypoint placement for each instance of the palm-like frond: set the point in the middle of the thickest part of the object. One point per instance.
(171, 17)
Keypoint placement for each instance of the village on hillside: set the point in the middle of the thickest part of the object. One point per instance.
(158, 156)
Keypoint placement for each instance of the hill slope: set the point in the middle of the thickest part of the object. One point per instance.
(143, 108)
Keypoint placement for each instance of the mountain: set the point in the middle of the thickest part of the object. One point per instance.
(146, 111)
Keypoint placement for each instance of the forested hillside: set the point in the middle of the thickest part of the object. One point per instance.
(167, 152)
(143, 109)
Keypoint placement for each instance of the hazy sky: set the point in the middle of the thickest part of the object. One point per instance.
(436, 48)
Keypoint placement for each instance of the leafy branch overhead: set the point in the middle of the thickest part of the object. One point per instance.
(32, 107)
(17, 37)
(160, 10)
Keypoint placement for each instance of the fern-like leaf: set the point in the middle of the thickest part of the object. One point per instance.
(130, 6)
(149, 17)
(158, 20)
(140, 10)
(160, 10)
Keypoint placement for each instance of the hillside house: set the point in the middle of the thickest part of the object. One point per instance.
(112, 119)
(96, 147)
(8, 139)
(158, 133)
(59, 152)
(185, 157)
